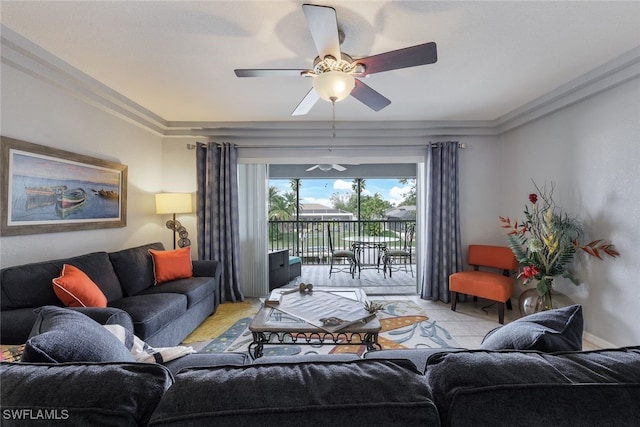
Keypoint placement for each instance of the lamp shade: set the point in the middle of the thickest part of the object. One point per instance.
(334, 85)
(172, 203)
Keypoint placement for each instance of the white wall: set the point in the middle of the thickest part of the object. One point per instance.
(591, 150)
(179, 176)
(40, 113)
(479, 168)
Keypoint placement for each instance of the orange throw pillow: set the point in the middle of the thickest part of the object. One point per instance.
(75, 289)
(171, 265)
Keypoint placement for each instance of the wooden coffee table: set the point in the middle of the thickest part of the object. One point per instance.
(272, 326)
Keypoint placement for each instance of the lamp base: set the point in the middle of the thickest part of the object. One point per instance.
(178, 230)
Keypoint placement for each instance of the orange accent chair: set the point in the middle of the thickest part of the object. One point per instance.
(486, 284)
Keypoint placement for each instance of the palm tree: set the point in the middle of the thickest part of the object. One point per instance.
(358, 185)
(295, 185)
(277, 205)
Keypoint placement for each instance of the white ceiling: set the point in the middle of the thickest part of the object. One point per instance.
(176, 58)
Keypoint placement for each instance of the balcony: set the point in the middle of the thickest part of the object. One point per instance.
(309, 240)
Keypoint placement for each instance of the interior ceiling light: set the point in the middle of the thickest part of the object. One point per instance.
(324, 167)
(334, 86)
(333, 80)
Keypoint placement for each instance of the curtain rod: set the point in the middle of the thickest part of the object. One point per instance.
(461, 145)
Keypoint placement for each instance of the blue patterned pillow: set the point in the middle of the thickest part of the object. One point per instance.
(548, 331)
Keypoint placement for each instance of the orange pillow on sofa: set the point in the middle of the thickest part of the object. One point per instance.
(75, 289)
(171, 265)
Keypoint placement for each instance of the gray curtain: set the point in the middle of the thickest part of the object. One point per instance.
(443, 248)
(217, 208)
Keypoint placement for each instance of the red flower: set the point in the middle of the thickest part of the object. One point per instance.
(533, 198)
(529, 271)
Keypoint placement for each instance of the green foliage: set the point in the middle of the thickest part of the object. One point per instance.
(547, 241)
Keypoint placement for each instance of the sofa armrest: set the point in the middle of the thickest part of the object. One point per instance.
(209, 268)
(206, 268)
(107, 316)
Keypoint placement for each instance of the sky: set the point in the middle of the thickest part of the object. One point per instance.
(320, 190)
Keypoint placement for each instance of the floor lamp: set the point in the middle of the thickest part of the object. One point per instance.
(175, 203)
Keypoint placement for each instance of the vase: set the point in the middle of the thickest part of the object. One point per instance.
(530, 302)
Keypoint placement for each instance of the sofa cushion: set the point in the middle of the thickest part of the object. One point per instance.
(151, 313)
(171, 265)
(478, 387)
(107, 316)
(134, 267)
(83, 394)
(75, 289)
(306, 358)
(194, 288)
(417, 356)
(550, 331)
(63, 335)
(29, 285)
(208, 360)
(323, 393)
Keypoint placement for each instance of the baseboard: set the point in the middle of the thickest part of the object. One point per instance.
(597, 341)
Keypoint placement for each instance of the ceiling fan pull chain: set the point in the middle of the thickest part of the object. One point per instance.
(333, 126)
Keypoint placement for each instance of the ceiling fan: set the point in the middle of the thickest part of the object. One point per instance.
(335, 73)
(325, 167)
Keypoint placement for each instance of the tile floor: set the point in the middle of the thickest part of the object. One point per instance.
(468, 325)
(471, 321)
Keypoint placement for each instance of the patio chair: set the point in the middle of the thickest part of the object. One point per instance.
(486, 284)
(341, 254)
(395, 256)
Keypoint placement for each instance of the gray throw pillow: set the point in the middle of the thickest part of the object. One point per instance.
(62, 335)
(548, 331)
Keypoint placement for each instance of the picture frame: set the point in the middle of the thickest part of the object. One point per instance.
(46, 190)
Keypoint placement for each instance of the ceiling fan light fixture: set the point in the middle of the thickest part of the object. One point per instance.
(334, 86)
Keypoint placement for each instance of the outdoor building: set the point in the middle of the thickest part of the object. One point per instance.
(397, 216)
(318, 212)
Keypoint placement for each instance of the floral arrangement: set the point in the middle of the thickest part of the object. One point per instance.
(547, 240)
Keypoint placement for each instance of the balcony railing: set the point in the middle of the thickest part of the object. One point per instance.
(309, 240)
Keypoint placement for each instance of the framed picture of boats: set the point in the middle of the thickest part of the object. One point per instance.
(46, 190)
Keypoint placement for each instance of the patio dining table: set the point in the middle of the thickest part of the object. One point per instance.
(379, 243)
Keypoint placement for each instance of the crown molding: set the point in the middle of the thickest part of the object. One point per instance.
(22, 54)
(620, 70)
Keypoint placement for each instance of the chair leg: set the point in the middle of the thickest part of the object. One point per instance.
(501, 312)
(509, 306)
(454, 300)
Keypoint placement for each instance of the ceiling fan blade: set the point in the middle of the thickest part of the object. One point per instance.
(413, 56)
(339, 168)
(323, 25)
(268, 73)
(313, 167)
(307, 103)
(369, 97)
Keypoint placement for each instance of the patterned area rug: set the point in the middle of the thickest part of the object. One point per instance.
(404, 325)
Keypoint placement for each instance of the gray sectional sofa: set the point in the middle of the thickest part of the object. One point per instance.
(451, 388)
(98, 383)
(162, 315)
